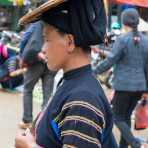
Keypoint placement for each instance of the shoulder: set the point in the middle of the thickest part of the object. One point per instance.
(81, 123)
(90, 92)
(86, 91)
(144, 37)
(123, 38)
(86, 101)
(84, 108)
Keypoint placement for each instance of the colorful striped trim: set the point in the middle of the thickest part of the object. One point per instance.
(81, 136)
(86, 105)
(81, 119)
(56, 119)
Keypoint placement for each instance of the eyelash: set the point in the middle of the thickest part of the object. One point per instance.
(46, 40)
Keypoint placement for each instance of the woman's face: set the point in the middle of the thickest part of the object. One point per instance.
(55, 48)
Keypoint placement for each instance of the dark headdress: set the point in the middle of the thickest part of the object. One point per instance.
(85, 19)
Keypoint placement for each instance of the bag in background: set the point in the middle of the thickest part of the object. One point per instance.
(141, 114)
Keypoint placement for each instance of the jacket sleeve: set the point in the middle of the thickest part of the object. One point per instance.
(112, 58)
(33, 45)
(25, 38)
(79, 129)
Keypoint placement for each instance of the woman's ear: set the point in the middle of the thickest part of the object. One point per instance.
(70, 42)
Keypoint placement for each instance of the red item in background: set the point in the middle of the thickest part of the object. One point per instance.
(141, 114)
(142, 3)
(3, 51)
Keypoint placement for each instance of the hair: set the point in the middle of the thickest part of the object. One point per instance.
(136, 37)
(130, 18)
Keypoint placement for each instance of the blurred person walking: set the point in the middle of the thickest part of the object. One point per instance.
(129, 57)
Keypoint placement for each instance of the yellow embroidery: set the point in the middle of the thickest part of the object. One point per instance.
(86, 105)
(81, 119)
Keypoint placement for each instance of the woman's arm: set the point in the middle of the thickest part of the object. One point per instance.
(112, 58)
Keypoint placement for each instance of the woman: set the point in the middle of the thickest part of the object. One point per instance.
(79, 114)
(129, 57)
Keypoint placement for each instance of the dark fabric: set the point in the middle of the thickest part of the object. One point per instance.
(8, 66)
(13, 82)
(3, 71)
(85, 19)
(146, 74)
(130, 17)
(2, 59)
(124, 103)
(77, 100)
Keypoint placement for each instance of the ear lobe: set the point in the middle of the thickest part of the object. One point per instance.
(70, 42)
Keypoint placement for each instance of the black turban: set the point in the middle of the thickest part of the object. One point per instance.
(85, 19)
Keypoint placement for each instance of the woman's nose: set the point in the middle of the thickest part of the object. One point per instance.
(44, 49)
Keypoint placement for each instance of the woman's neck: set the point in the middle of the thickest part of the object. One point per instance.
(77, 59)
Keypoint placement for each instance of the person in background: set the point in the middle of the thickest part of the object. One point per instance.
(120, 9)
(129, 57)
(79, 114)
(30, 48)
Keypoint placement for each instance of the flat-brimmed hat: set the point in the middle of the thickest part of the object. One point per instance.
(37, 12)
(85, 19)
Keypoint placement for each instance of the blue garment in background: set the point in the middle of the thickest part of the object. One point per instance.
(25, 38)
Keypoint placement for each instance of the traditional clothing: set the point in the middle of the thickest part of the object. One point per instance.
(78, 115)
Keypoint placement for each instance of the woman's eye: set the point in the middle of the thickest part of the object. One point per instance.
(46, 40)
